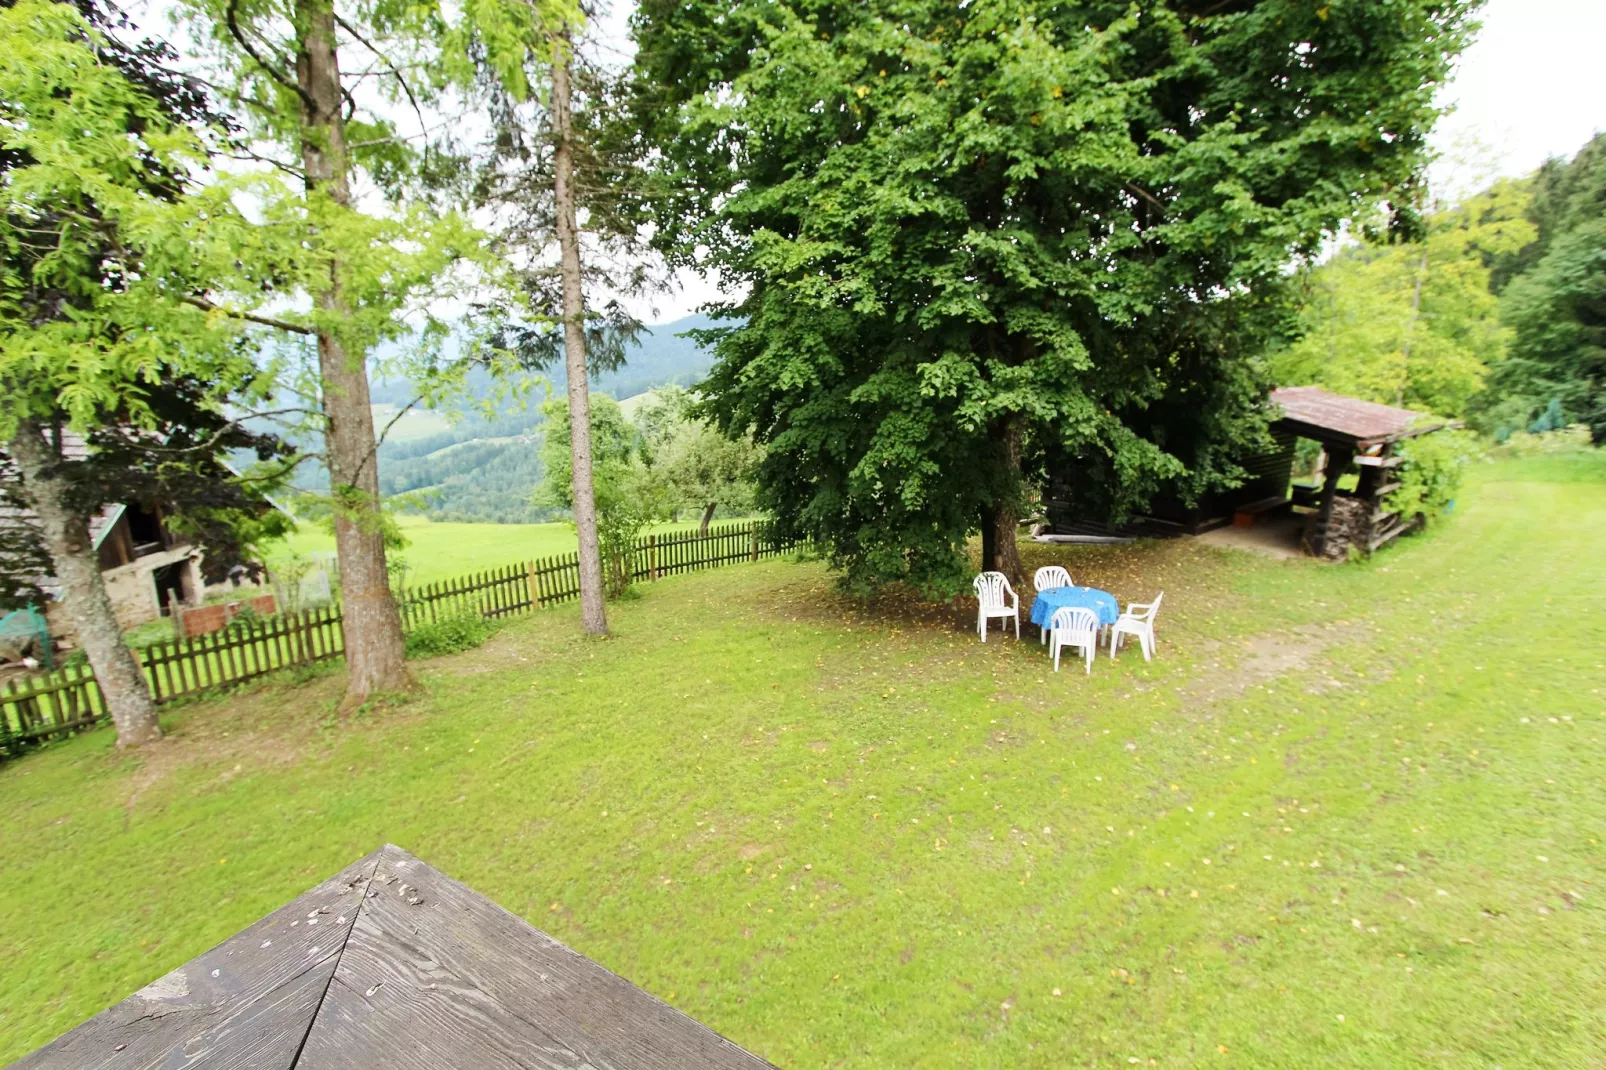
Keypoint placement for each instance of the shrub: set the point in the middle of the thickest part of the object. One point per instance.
(1432, 472)
(1559, 440)
(450, 636)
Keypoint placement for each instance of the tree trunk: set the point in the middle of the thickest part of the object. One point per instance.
(66, 536)
(989, 541)
(1004, 520)
(708, 517)
(593, 618)
(374, 649)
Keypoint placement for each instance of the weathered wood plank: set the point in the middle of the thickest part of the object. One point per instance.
(248, 1002)
(459, 973)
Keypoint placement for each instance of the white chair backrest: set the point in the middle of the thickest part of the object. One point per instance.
(990, 589)
(1051, 576)
(1154, 607)
(1074, 620)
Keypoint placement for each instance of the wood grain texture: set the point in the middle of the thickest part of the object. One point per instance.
(246, 1003)
(391, 963)
(472, 985)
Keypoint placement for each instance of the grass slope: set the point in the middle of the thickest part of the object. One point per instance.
(438, 551)
(1349, 817)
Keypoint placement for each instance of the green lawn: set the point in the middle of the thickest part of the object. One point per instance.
(1349, 817)
(438, 551)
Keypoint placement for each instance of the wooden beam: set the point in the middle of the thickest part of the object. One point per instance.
(1336, 463)
(249, 1001)
(437, 975)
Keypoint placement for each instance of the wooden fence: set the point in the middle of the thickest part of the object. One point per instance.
(59, 702)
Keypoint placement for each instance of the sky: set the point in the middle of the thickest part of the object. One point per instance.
(1532, 85)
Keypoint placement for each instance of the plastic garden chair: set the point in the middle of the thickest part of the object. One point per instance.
(1075, 626)
(1047, 578)
(1138, 620)
(995, 598)
(1051, 576)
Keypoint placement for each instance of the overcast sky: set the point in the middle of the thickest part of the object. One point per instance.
(1533, 84)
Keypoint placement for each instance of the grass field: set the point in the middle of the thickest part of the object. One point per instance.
(1349, 817)
(438, 551)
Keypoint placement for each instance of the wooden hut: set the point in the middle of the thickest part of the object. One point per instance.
(1354, 435)
(391, 964)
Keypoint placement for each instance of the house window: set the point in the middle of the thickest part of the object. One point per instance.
(146, 531)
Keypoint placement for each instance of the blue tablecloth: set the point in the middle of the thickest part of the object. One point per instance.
(1101, 602)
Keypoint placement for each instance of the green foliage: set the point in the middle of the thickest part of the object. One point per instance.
(108, 237)
(1554, 301)
(696, 466)
(1435, 466)
(628, 499)
(1543, 440)
(1558, 311)
(1414, 324)
(450, 636)
(983, 244)
(103, 239)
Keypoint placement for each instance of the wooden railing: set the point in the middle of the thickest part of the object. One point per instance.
(57, 703)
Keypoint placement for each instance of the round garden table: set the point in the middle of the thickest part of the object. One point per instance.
(1053, 599)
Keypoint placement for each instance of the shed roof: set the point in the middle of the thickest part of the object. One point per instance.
(1320, 414)
(391, 963)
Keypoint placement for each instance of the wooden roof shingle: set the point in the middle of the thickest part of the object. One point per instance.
(391, 963)
(1320, 414)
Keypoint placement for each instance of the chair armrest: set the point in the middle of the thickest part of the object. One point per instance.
(1131, 607)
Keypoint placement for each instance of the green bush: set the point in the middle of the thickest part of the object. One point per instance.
(450, 636)
(1431, 475)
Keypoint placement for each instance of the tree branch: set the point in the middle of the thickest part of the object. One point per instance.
(267, 321)
(213, 439)
(250, 50)
(244, 155)
(380, 439)
(1134, 188)
(418, 111)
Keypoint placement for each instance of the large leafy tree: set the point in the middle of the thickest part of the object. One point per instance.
(695, 465)
(356, 243)
(979, 241)
(107, 249)
(1414, 323)
(626, 498)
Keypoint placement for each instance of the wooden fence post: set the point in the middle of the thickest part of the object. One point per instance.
(535, 585)
(652, 557)
(753, 543)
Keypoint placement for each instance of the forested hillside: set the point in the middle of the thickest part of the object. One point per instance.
(479, 468)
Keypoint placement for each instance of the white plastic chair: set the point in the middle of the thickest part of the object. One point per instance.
(1047, 578)
(1051, 576)
(1075, 626)
(1138, 620)
(995, 598)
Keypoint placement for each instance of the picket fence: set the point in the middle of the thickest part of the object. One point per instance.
(68, 699)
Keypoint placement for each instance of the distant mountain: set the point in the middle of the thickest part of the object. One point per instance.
(658, 357)
(486, 469)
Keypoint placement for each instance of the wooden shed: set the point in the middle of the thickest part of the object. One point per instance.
(1353, 434)
(391, 964)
